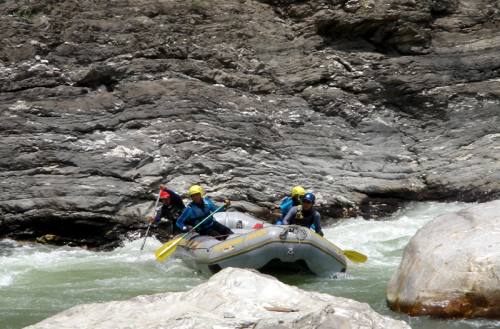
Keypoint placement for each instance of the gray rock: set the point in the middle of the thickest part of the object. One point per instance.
(232, 298)
(451, 267)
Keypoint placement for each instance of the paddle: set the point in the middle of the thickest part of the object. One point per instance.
(168, 248)
(149, 225)
(355, 256)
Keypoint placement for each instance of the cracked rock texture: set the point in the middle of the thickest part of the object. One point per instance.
(368, 103)
(451, 267)
(232, 298)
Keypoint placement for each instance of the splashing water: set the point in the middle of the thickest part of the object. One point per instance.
(383, 242)
(37, 281)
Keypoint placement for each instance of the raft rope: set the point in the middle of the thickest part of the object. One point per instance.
(300, 232)
(220, 236)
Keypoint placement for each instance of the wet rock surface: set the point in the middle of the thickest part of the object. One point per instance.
(451, 267)
(367, 103)
(232, 298)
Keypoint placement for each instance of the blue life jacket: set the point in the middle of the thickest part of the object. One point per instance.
(195, 213)
(287, 204)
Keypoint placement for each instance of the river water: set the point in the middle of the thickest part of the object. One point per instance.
(37, 281)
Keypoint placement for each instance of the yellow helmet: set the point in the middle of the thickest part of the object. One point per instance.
(195, 189)
(298, 190)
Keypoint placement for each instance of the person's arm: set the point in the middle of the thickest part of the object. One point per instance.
(290, 216)
(159, 215)
(317, 223)
(186, 214)
(212, 207)
(285, 206)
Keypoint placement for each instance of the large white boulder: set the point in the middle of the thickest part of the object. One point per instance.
(451, 267)
(232, 298)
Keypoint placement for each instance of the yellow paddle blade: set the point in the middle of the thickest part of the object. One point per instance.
(355, 256)
(167, 249)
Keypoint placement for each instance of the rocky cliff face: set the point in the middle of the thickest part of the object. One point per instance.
(368, 103)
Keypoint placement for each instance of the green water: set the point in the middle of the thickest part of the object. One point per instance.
(38, 281)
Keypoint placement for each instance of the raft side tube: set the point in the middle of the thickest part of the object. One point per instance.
(256, 249)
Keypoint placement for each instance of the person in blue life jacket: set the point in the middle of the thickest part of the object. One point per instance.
(172, 207)
(287, 203)
(305, 214)
(198, 209)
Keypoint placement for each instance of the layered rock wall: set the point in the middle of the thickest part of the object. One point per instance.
(368, 103)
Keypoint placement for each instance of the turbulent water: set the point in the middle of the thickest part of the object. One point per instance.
(38, 281)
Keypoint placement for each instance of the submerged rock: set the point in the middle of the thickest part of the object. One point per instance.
(232, 298)
(451, 267)
(47, 238)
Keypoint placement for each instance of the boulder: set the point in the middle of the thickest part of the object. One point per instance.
(232, 298)
(451, 267)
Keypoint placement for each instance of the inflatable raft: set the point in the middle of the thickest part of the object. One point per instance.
(259, 245)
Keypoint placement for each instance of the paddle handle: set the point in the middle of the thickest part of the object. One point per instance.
(149, 225)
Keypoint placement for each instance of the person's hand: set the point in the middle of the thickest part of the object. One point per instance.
(227, 203)
(163, 187)
(276, 206)
(150, 219)
(187, 228)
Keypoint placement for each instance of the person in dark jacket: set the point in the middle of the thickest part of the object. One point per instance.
(171, 208)
(198, 210)
(305, 214)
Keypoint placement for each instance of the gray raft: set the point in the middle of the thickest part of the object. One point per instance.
(259, 245)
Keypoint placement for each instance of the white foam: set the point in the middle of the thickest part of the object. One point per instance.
(6, 279)
(383, 241)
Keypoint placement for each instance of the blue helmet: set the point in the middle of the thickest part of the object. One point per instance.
(309, 197)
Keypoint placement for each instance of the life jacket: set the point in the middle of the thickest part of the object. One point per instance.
(287, 204)
(304, 219)
(172, 211)
(199, 213)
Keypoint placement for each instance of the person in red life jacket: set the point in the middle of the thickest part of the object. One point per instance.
(171, 208)
(198, 210)
(305, 214)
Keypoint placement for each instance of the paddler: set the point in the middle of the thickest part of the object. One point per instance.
(305, 214)
(172, 207)
(288, 202)
(198, 209)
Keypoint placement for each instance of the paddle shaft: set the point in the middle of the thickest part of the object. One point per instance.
(149, 225)
(185, 234)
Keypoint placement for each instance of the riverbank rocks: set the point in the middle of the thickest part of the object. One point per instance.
(232, 298)
(451, 267)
